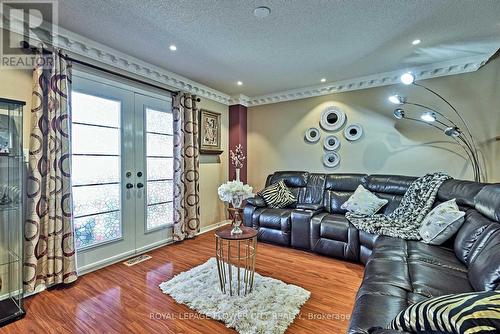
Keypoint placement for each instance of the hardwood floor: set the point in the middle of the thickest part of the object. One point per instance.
(121, 299)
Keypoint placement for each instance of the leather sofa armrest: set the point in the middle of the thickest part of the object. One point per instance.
(257, 201)
(315, 208)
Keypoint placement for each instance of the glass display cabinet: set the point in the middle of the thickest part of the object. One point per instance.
(11, 210)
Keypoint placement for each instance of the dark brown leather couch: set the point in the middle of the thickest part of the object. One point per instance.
(397, 272)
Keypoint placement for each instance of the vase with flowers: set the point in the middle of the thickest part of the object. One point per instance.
(235, 192)
(237, 159)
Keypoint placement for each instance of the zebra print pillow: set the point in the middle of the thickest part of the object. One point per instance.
(475, 312)
(278, 195)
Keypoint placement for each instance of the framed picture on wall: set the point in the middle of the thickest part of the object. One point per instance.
(210, 132)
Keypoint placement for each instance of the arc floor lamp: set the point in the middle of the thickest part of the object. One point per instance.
(439, 120)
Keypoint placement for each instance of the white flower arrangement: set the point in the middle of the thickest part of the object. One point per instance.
(237, 157)
(231, 189)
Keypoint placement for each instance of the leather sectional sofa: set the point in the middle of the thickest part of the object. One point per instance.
(397, 272)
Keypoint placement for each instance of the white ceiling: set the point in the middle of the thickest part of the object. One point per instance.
(220, 41)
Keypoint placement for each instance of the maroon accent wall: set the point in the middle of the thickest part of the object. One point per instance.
(238, 135)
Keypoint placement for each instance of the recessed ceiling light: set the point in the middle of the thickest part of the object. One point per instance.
(262, 12)
(239, 83)
(416, 42)
(323, 80)
(172, 47)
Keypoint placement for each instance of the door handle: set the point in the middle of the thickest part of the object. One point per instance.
(129, 186)
(140, 185)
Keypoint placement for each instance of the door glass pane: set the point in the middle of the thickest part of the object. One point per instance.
(95, 169)
(95, 199)
(159, 122)
(159, 150)
(96, 144)
(95, 229)
(160, 192)
(91, 109)
(160, 168)
(160, 145)
(95, 140)
(159, 215)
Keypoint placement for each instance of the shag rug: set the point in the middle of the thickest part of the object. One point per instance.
(270, 308)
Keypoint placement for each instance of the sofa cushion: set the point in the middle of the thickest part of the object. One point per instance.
(441, 223)
(452, 313)
(463, 191)
(484, 270)
(333, 235)
(468, 234)
(390, 184)
(363, 202)
(277, 219)
(278, 195)
(373, 310)
(487, 201)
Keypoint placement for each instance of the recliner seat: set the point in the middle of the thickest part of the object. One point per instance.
(397, 272)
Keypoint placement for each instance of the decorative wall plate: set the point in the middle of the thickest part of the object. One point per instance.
(331, 159)
(353, 132)
(312, 135)
(332, 119)
(331, 143)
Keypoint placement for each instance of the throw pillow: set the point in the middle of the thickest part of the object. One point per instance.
(441, 223)
(278, 195)
(363, 202)
(473, 312)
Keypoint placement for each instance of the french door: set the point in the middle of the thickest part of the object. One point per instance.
(122, 170)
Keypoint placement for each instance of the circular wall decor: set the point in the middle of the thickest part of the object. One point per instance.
(331, 159)
(331, 143)
(312, 135)
(353, 132)
(332, 119)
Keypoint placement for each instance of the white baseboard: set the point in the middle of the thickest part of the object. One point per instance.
(121, 257)
(211, 227)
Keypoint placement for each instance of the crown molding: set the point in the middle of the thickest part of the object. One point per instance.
(83, 47)
(102, 54)
(457, 66)
(239, 99)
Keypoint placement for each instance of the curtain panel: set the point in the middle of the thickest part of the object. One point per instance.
(49, 248)
(186, 167)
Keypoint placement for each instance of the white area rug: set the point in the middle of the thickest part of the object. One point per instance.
(270, 308)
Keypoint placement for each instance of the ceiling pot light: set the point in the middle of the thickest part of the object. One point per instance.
(416, 42)
(399, 113)
(239, 83)
(408, 78)
(262, 12)
(428, 117)
(323, 80)
(396, 99)
(452, 131)
(172, 47)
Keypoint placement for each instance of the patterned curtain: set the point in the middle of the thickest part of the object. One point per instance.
(49, 249)
(186, 167)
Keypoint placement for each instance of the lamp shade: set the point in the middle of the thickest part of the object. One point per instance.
(396, 99)
(399, 113)
(408, 78)
(428, 117)
(452, 131)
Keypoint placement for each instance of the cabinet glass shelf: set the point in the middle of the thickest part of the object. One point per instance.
(12, 174)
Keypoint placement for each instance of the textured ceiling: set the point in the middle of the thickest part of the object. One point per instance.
(220, 41)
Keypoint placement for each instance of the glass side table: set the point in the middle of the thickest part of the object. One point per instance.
(236, 255)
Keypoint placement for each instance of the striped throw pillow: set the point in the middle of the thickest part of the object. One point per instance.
(278, 195)
(474, 312)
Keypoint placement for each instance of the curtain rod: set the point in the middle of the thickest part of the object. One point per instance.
(26, 46)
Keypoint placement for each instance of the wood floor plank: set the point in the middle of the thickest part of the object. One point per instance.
(121, 299)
